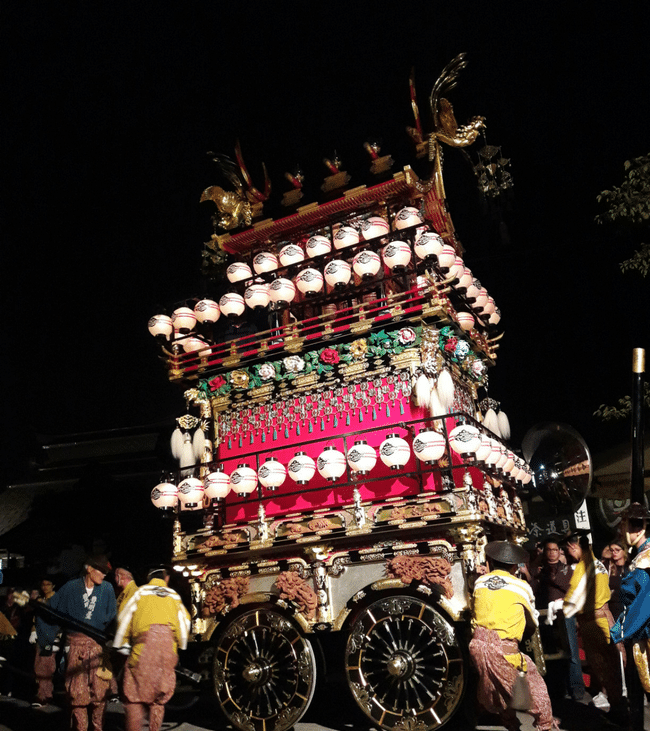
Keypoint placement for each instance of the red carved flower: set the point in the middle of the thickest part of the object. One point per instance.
(451, 344)
(329, 356)
(216, 383)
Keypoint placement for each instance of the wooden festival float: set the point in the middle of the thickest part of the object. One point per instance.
(337, 472)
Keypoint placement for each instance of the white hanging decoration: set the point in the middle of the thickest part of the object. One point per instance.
(422, 391)
(445, 389)
(177, 443)
(198, 444)
(491, 421)
(504, 425)
(187, 459)
(435, 407)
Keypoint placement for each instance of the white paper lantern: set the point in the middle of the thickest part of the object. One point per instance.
(446, 257)
(165, 495)
(503, 457)
(318, 245)
(527, 476)
(282, 291)
(429, 446)
(207, 311)
(309, 281)
(190, 493)
(465, 279)
(484, 450)
(301, 468)
(481, 300)
(272, 474)
(291, 254)
(495, 453)
(489, 306)
(232, 304)
(407, 217)
(217, 485)
(192, 344)
(396, 255)
(265, 261)
(394, 451)
(183, 319)
(428, 245)
(346, 236)
(474, 289)
(509, 464)
(464, 439)
(495, 317)
(257, 296)
(362, 457)
(466, 321)
(238, 271)
(457, 269)
(243, 480)
(338, 273)
(331, 464)
(373, 227)
(366, 264)
(160, 325)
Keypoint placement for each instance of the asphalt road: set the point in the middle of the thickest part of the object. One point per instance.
(201, 715)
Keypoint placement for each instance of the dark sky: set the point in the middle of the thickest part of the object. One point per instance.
(109, 108)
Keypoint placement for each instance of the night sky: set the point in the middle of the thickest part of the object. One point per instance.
(109, 109)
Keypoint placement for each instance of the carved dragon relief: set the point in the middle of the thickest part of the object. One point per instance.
(239, 207)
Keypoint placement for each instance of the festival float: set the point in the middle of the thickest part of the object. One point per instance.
(340, 465)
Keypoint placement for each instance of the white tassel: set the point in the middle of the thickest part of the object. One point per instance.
(187, 456)
(504, 425)
(435, 407)
(445, 388)
(198, 444)
(177, 443)
(491, 422)
(422, 391)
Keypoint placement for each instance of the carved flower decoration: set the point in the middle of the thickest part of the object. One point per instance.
(329, 356)
(358, 348)
(216, 383)
(406, 336)
(266, 372)
(461, 351)
(294, 364)
(239, 379)
(478, 368)
(450, 345)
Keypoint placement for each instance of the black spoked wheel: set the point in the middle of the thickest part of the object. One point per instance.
(404, 665)
(264, 672)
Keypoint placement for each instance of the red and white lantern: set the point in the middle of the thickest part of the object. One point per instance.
(301, 468)
(362, 457)
(217, 485)
(238, 271)
(232, 304)
(207, 311)
(366, 264)
(190, 493)
(346, 236)
(373, 227)
(183, 319)
(396, 255)
(265, 261)
(272, 474)
(257, 296)
(318, 245)
(160, 325)
(429, 446)
(291, 254)
(243, 480)
(309, 281)
(465, 320)
(428, 245)
(338, 273)
(465, 439)
(165, 495)
(407, 217)
(394, 451)
(331, 464)
(282, 291)
(446, 257)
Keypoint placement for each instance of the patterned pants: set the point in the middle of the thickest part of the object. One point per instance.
(497, 677)
(87, 691)
(151, 682)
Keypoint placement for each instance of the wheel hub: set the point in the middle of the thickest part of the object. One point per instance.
(256, 672)
(401, 665)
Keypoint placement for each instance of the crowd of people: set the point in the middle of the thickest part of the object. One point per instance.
(107, 639)
(601, 606)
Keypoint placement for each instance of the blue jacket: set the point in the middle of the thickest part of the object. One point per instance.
(98, 610)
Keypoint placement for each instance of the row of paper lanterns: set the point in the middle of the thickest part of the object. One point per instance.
(428, 446)
(366, 264)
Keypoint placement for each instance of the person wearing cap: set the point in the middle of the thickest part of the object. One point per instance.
(633, 625)
(90, 600)
(504, 611)
(152, 626)
(44, 664)
(586, 600)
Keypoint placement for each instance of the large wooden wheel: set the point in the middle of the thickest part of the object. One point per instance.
(404, 664)
(264, 671)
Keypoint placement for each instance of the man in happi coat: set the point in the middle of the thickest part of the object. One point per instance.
(90, 600)
(151, 627)
(633, 626)
(587, 599)
(504, 610)
(44, 661)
